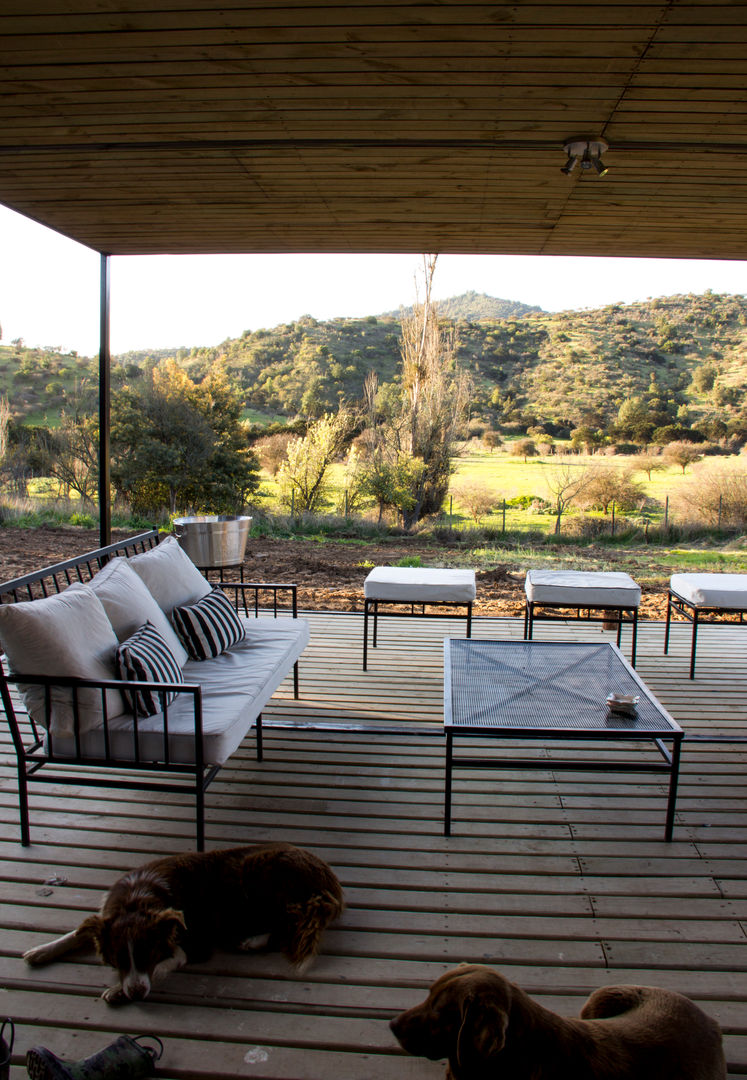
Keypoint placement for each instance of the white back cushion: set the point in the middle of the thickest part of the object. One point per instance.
(64, 634)
(129, 604)
(170, 575)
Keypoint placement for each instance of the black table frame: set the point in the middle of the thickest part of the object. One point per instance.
(670, 731)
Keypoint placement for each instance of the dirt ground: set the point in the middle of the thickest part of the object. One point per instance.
(329, 575)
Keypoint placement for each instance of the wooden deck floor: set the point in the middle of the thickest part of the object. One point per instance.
(560, 879)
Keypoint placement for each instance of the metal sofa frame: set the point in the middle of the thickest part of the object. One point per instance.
(34, 744)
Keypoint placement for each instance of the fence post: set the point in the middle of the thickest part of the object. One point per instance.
(666, 512)
(346, 502)
(720, 503)
(504, 516)
(293, 503)
(613, 517)
(451, 511)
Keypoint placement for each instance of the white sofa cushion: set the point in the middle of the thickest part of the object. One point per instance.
(579, 587)
(65, 634)
(414, 584)
(170, 575)
(235, 688)
(712, 590)
(129, 604)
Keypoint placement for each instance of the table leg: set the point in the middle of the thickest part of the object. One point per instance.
(447, 784)
(674, 773)
(365, 633)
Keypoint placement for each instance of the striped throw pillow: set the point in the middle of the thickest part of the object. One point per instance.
(145, 657)
(208, 627)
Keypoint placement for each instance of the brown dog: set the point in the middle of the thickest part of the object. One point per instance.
(488, 1027)
(176, 910)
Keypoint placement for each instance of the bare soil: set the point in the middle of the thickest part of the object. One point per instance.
(329, 575)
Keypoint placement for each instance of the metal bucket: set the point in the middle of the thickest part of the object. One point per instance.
(213, 539)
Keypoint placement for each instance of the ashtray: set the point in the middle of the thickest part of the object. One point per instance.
(623, 704)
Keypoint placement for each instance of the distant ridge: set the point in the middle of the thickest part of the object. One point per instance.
(477, 307)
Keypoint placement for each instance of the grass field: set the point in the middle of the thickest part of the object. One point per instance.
(508, 477)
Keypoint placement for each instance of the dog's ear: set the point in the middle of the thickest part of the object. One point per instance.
(173, 922)
(482, 1034)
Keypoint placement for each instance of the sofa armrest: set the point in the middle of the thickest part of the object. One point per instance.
(43, 739)
(246, 594)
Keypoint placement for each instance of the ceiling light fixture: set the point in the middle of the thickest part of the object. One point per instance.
(586, 150)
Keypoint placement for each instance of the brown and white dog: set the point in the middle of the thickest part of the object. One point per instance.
(488, 1027)
(176, 910)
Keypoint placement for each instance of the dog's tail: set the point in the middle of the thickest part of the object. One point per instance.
(307, 922)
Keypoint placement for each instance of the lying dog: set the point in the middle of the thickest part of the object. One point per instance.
(176, 910)
(488, 1027)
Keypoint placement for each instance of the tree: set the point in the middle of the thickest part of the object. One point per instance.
(492, 440)
(524, 448)
(272, 451)
(177, 443)
(566, 482)
(412, 437)
(682, 454)
(477, 498)
(648, 463)
(608, 484)
(75, 461)
(304, 474)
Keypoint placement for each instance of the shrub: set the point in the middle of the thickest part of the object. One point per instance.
(716, 496)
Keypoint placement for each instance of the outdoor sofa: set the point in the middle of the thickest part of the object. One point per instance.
(99, 688)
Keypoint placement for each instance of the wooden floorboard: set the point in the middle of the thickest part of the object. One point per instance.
(560, 878)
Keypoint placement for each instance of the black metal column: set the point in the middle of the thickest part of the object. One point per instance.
(105, 509)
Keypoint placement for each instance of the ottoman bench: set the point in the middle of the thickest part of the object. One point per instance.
(415, 586)
(696, 595)
(604, 597)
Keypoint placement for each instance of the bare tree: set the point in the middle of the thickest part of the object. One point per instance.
(524, 448)
(566, 482)
(476, 497)
(412, 442)
(649, 463)
(682, 453)
(608, 484)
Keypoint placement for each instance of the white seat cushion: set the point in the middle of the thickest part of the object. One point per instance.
(170, 575)
(580, 587)
(712, 590)
(414, 584)
(235, 688)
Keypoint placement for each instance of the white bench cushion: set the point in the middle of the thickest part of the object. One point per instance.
(581, 587)
(414, 584)
(712, 590)
(235, 688)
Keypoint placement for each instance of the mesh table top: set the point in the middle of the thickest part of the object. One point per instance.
(503, 686)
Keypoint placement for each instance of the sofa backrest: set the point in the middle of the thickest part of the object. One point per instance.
(56, 578)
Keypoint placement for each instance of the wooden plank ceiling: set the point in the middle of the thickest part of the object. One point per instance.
(174, 126)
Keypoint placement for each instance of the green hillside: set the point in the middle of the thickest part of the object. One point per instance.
(681, 360)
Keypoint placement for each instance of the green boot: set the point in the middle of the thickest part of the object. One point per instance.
(124, 1059)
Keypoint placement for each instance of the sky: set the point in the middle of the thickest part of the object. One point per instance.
(49, 288)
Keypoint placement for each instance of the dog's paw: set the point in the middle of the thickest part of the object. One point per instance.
(36, 956)
(255, 944)
(114, 995)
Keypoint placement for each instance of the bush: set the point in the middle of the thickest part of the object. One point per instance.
(716, 496)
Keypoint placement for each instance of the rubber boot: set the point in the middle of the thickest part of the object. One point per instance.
(124, 1059)
(6, 1049)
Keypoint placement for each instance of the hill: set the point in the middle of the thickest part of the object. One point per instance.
(478, 307)
(681, 361)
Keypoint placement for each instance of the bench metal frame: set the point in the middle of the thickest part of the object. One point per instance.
(694, 613)
(587, 613)
(34, 745)
(370, 604)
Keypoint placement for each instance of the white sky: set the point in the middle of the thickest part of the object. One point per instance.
(49, 288)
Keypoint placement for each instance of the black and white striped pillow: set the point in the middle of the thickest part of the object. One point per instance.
(145, 657)
(208, 627)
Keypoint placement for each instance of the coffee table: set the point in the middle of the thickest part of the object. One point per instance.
(551, 691)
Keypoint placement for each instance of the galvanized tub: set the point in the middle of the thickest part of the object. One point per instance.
(213, 539)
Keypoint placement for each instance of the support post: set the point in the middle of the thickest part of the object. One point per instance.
(105, 509)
